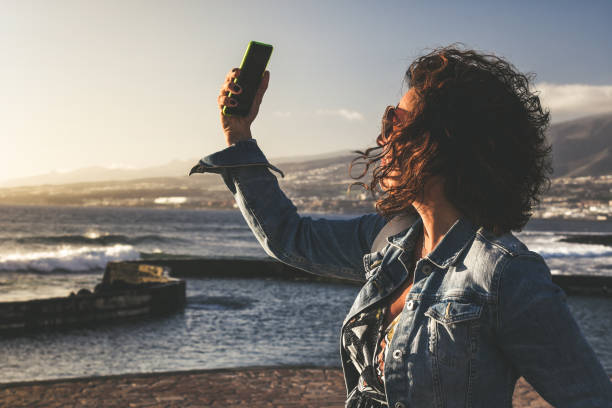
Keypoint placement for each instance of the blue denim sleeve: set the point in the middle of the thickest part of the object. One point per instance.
(321, 246)
(540, 337)
(242, 154)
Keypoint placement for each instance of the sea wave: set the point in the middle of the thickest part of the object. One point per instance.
(552, 245)
(65, 258)
(94, 239)
(574, 251)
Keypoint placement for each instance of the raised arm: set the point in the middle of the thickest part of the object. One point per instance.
(320, 246)
(325, 247)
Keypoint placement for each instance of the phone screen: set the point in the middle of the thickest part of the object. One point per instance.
(251, 70)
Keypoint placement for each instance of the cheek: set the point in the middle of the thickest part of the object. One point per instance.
(391, 180)
(386, 160)
(388, 183)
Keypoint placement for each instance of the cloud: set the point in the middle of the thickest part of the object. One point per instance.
(571, 101)
(282, 114)
(343, 113)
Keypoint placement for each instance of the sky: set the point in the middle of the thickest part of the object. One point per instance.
(134, 83)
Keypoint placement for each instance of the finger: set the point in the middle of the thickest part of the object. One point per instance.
(228, 81)
(233, 74)
(227, 88)
(265, 80)
(223, 100)
(230, 87)
(234, 88)
(230, 78)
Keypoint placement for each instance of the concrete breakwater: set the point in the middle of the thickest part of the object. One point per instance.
(226, 267)
(233, 267)
(127, 291)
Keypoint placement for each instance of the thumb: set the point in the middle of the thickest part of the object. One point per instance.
(263, 85)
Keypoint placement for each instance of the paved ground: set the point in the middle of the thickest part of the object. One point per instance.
(250, 387)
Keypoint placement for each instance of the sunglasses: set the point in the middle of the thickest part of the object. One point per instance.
(392, 117)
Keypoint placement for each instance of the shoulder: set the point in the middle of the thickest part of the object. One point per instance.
(500, 250)
(506, 244)
(495, 257)
(513, 277)
(487, 253)
(521, 280)
(515, 257)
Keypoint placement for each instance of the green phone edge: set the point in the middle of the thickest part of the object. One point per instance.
(242, 63)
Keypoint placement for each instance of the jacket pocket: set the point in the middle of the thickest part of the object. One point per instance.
(453, 328)
(453, 332)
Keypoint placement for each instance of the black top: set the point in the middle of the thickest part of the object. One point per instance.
(360, 339)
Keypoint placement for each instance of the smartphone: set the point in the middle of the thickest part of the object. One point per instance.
(252, 69)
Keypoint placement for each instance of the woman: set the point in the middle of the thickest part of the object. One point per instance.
(454, 308)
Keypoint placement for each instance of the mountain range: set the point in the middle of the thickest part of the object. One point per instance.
(581, 147)
(175, 168)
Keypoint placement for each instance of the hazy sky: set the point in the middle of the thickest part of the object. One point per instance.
(134, 83)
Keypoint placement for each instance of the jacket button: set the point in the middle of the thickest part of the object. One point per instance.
(400, 405)
(411, 305)
(426, 269)
(397, 354)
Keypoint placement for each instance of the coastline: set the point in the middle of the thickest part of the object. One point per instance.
(258, 386)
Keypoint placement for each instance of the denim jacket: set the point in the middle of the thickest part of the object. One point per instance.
(482, 310)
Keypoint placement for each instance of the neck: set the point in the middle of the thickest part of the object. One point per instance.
(438, 216)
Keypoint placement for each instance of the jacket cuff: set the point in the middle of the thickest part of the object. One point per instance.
(241, 154)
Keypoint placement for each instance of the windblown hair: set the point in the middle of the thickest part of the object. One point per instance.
(476, 124)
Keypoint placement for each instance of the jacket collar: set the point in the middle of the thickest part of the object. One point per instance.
(452, 245)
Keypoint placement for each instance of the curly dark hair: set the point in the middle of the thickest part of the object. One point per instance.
(476, 124)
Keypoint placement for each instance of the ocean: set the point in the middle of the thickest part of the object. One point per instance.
(52, 251)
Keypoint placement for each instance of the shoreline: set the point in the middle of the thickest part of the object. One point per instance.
(314, 213)
(255, 386)
(127, 376)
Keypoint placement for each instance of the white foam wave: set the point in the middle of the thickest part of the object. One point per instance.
(170, 200)
(67, 258)
(573, 251)
(549, 245)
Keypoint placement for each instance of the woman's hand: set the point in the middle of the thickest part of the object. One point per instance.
(237, 128)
